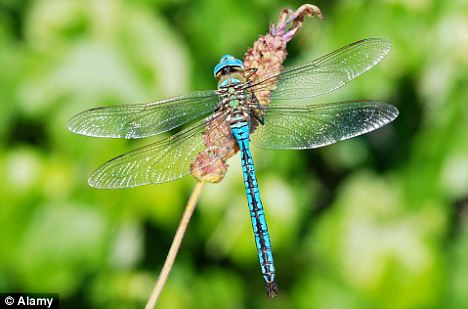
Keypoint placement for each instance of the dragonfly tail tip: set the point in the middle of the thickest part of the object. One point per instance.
(271, 289)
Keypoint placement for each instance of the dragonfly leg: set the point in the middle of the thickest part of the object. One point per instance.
(252, 72)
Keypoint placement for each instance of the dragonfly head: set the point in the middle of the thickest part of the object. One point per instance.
(226, 64)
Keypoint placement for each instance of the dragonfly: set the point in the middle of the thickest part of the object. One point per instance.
(224, 121)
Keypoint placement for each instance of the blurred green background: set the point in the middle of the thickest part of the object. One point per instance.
(379, 221)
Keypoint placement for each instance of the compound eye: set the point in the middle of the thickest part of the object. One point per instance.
(227, 57)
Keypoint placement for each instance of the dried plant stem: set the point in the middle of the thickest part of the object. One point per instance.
(192, 202)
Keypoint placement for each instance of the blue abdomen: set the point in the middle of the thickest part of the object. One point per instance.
(241, 133)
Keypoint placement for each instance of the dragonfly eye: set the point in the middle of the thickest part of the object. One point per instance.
(226, 64)
(226, 58)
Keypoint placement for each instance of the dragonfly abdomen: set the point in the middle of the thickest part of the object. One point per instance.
(241, 132)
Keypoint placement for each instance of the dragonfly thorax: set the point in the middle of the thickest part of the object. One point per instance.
(234, 96)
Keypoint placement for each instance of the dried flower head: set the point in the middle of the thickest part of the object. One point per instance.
(266, 56)
(269, 51)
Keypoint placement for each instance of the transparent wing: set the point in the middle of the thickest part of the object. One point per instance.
(327, 73)
(142, 120)
(160, 162)
(319, 125)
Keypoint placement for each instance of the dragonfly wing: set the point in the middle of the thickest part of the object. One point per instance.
(159, 162)
(327, 73)
(142, 120)
(319, 125)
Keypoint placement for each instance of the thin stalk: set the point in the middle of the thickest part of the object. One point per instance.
(192, 202)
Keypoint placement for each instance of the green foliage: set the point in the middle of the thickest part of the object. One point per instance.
(380, 221)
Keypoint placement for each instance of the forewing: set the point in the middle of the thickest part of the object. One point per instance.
(319, 125)
(142, 120)
(327, 73)
(160, 162)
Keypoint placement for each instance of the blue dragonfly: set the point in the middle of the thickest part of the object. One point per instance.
(224, 121)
